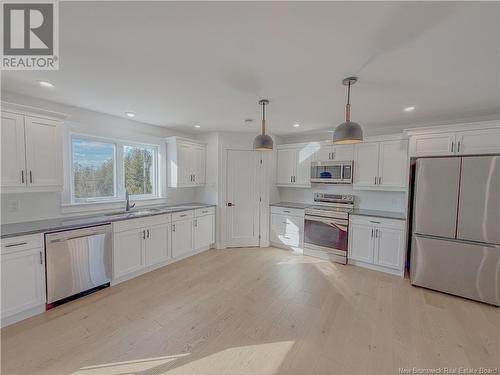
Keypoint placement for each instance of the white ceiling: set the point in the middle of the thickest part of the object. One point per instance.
(180, 64)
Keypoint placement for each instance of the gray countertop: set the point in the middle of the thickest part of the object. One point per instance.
(356, 211)
(381, 214)
(291, 205)
(64, 223)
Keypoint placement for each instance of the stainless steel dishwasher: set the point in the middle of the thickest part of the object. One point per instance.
(77, 262)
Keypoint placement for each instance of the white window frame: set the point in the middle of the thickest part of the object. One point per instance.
(118, 168)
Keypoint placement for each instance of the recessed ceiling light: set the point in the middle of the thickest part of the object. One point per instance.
(409, 109)
(45, 84)
(130, 114)
(296, 125)
(197, 126)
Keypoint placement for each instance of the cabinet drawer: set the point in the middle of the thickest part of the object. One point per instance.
(287, 211)
(20, 243)
(204, 211)
(183, 215)
(120, 226)
(377, 221)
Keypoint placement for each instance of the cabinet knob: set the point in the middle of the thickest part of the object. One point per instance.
(229, 204)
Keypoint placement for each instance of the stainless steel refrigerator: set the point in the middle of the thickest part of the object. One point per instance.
(456, 226)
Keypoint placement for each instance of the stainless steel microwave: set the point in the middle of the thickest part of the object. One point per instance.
(332, 172)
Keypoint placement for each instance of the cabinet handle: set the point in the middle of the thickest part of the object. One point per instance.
(458, 147)
(375, 180)
(380, 180)
(147, 231)
(194, 178)
(184, 215)
(173, 227)
(22, 176)
(286, 211)
(372, 233)
(16, 244)
(143, 234)
(452, 146)
(376, 233)
(195, 223)
(31, 177)
(41, 257)
(375, 222)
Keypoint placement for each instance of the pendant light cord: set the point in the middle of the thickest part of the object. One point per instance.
(263, 118)
(348, 105)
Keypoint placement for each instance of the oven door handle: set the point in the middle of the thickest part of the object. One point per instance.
(336, 223)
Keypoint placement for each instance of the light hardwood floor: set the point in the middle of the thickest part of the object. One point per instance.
(255, 311)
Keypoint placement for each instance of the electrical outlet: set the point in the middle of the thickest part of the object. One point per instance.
(14, 205)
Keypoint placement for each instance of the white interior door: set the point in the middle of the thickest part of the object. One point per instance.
(242, 198)
(13, 156)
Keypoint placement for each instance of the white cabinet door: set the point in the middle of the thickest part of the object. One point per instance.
(199, 162)
(23, 281)
(203, 231)
(361, 242)
(182, 237)
(393, 163)
(285, 166)
(486, 141)
(302, 175)
(157, 244)
(432, 144)
(325, 152)
(366, 157)
(184, 165)
(389, 248)
(128, 252)
(278, 227)
(43, 152)
(12, 151)
(343, 152)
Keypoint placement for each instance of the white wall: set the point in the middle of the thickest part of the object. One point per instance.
(37, 206)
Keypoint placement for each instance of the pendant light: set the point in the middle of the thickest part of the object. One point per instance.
(348, 132)
(263, 142)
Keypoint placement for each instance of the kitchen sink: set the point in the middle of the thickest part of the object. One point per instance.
(132, 213)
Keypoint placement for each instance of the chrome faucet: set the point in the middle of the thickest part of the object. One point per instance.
(129, 206)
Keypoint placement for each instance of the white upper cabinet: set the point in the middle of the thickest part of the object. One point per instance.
(328, 151)
(43, 152)
(461, 139)
(381, 165)
(186, 162)
(294, 165)
(484, 141)
(31, 153)
(13, 151)
(366, 157)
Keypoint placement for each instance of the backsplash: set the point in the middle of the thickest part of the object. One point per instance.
(366, 199)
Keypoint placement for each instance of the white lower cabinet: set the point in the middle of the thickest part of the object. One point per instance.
(287, 228)
(157, 244)
(140, 245)
(203, 231)
(23, 278)
(377, 243)
(182, 237)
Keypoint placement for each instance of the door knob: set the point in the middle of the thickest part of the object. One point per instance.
(229, 204)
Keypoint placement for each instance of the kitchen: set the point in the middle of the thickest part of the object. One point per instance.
(163, 231)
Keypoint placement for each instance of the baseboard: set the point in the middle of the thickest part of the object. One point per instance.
(6, 321)
(375, 267)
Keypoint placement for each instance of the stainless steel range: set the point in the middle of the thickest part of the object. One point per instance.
(326, 227)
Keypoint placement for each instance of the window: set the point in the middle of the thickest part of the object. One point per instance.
(103, 170)
(93, 169)
(139, 165)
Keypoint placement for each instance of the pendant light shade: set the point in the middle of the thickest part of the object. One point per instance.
(348, 132)
(263, 142)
